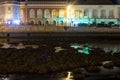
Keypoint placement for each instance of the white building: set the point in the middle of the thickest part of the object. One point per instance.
(9, 11)
(94, 14)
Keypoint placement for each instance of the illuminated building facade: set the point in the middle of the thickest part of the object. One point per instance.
(9, 11)
(43, 12)
(59, 13)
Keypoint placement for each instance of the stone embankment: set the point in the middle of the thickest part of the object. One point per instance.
(38, 31)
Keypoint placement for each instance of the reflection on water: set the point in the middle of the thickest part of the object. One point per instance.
(17, 46)
(104, 74)
(58, 49)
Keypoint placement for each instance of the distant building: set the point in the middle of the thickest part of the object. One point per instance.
(9, 11)
(59, 13)
(43, 12)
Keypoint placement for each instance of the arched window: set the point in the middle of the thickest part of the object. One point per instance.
(103, 13)
(61, 13)
(53, 13)
(86, 13)
(95, 13)
(39, 23)
(47, 22)
(54, 22)
(39, 13)
(78, 13)
(46, 13)
(61, 22)
(111, 14)
(32, 22)
(32, 13)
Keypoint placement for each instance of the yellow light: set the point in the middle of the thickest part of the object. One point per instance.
(68, 7)
(69, 11)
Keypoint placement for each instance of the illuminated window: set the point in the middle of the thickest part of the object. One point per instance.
(46, 13)
(95, 13)
(53, 13)
(103, 13)
(32, 13)
(111, 14)
(39, 13)
(61, 13)
(78, 13)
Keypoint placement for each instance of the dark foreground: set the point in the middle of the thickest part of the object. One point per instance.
(45, 59)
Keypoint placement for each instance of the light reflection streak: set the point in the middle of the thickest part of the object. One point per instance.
(69, 76)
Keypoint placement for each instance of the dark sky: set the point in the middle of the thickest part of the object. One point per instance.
(114, 1)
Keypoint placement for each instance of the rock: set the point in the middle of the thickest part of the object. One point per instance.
(93, 69)
(109, 65)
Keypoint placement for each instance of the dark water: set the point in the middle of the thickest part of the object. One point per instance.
(104, 74)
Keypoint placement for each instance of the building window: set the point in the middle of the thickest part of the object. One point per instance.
(95, 13)
(103, 14)
(86, 13)
(9, 8)
(61, 13)
(54, 22)
(47, 22)
(78, 13)
(32, 13)
(119, 12)
(46, 13)
(32, 22)
(53, 13)
(111, 14)
(39, 23)
(39, 13)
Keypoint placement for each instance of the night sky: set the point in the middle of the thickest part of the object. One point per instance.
(114, 1)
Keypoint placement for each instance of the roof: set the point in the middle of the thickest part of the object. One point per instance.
(95, 2)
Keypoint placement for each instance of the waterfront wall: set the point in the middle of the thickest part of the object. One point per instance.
(57, 29)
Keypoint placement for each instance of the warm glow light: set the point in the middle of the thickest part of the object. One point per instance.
(69, 76)
(69, 11)
(68, 7)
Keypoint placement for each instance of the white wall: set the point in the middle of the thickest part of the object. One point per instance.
(2, 12)
(97, 7)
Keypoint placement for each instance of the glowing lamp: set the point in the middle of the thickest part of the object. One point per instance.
(17, 22)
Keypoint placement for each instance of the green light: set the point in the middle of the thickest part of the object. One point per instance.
(85, 50)
(80, 51)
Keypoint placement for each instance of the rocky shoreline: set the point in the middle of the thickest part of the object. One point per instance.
(44, 59)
